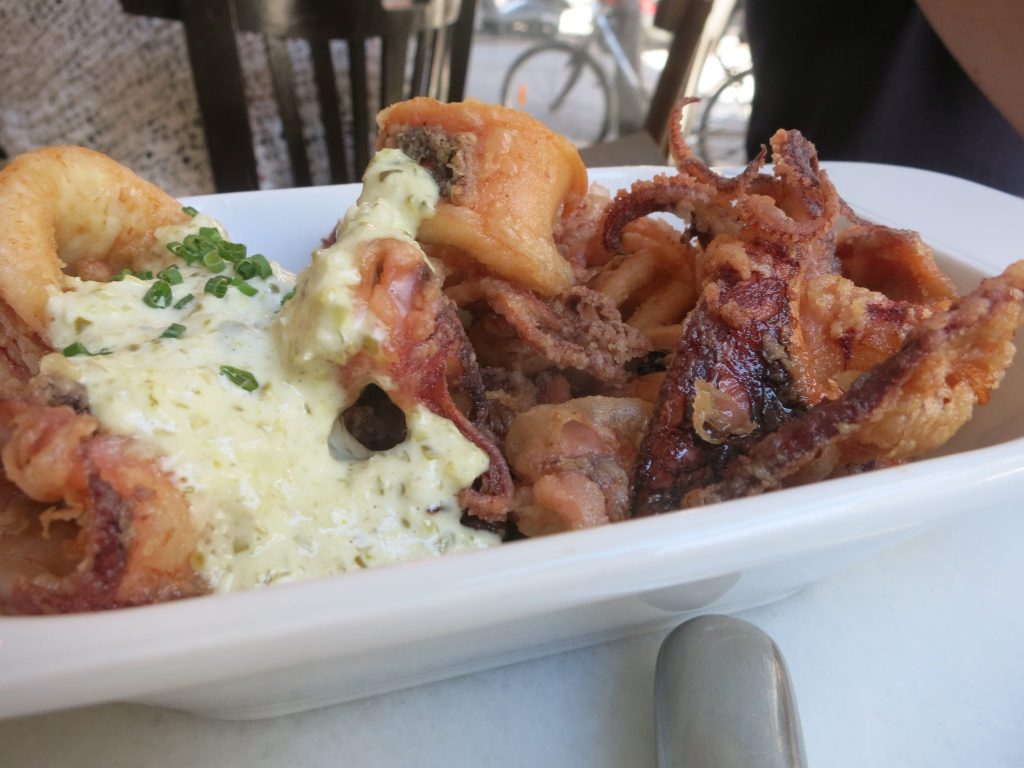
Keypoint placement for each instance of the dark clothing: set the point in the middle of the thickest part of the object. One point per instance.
(872, 81)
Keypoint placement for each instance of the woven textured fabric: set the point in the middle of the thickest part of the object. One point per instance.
(85, 72)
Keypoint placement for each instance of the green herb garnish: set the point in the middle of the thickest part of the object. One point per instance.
(78, 348)
(170, 275)
(231, 251)
(121, 275)
(287, 297)
(183, 301)
(207, 246)
(213, 261)
(188, 210)
(243, 286)
(144, 274)
(218, 286)
(173, 331)
(263, 268)
(240, 377)
(246, 268)
(158, 296)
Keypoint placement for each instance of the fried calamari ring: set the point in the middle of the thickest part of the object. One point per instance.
(73, 210)
(86, 521)
(506, 184)
(653, 282)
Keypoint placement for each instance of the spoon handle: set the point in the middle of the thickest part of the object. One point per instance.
(723, 697)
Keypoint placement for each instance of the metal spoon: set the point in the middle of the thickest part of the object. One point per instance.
(723, 698)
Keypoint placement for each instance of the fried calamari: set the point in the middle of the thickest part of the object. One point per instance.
(755, 335)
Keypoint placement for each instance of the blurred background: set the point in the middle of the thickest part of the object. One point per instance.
(568, 62)
(220, 95)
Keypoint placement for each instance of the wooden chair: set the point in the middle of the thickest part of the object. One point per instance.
(437, 34)
(687, 20)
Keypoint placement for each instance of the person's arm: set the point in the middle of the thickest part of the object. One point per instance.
(987, 38)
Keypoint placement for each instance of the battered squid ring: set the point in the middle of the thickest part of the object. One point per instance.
(86, 520)
(74, 210)
(507, 183)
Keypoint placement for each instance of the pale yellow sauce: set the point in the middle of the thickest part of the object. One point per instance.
(322, 323)
(270, 498)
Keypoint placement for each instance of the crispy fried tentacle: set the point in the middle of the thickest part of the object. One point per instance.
(733, 361)
(573, 462)
(688, 164)
(928, 388)
(491, 501)
(663, 193)
(134, 538)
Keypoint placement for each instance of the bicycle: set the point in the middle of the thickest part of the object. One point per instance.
(718, 128)
(534, 82)
(566, 86)
(720, 138)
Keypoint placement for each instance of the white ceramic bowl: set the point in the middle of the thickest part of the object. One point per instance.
(293, 647)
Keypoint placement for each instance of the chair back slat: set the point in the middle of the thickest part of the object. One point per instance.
(220, 92)
(283, 79)
(462, 40)
(336, 19)
(442, 30)
(394, 54)
(439, 65)
(688, 19)
(420, 60)
(360, 109)
(330, 111)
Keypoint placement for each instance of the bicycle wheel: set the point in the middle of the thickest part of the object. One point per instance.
(722, 133)
(565, 88)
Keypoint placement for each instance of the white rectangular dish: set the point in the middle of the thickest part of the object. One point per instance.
(283, 649)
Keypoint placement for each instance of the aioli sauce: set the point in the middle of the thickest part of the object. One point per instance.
(271, 500)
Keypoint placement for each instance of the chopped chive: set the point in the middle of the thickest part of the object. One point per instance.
(173, 331)
(243, 286)
(179, 250)
(78, 348)
(158, 296)
(263, 268)
(144, 274)
(188, 210)
(287, 297)
(240, 377)
(232, 251)
(210, 248)
(170, 275)
(212, 261)
(195, 243)
(183, 301)
(218, 286)
(246, 268)
(121, 275)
